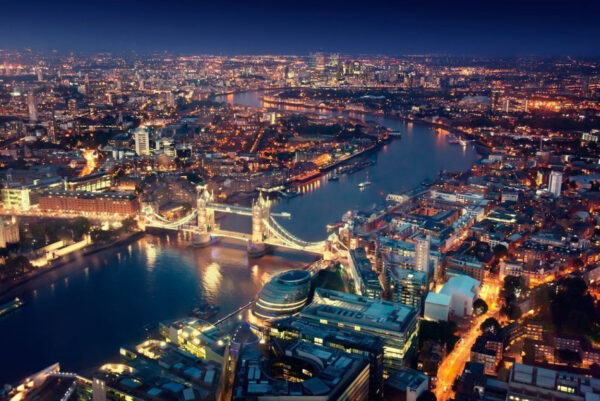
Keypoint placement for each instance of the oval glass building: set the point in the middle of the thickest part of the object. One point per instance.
(284, 295)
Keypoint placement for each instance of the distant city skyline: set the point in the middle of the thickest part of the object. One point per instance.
(512, 28)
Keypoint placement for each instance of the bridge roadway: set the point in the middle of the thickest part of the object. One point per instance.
(240, 210)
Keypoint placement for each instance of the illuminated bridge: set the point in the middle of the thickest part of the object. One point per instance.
(200, 222)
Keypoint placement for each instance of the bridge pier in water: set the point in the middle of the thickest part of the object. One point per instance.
(200, 227)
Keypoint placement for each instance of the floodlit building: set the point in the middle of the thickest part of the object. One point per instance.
(408, 287)
(350, 341)
(284, 295)
(194, 336)
(363, 274)
(555, 183)
(397, 324)
(422, 245)
(9, 232)
(155, 371)
(142, 142)
(299, 371)
(456, 297)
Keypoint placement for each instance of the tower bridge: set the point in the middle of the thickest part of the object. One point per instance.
(266, 231)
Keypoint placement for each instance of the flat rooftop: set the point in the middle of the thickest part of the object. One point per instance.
(359, 310)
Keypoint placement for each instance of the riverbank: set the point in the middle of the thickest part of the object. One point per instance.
(316, 105)
(7, 289)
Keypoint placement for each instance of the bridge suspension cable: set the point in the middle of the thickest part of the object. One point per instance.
(288, 238)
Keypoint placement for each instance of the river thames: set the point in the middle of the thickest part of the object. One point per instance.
(80, 314)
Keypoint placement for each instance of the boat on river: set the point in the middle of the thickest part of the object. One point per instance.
(205, 311)
(11, 306)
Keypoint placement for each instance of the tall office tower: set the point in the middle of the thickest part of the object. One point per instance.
(422, 254)
(507, 106)
(539, 178)
(52, 131)
(555, 183)
(142, 142)
(31, 104)
(170, 99)
(40, 74)
(334, 59)
(317, 61)
(407, 287)
(72, 106)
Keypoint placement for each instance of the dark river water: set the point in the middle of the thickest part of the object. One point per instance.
(80, 314)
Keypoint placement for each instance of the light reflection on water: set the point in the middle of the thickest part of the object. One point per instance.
(82, 313)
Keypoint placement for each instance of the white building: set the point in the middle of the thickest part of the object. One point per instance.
(437, 306)
(142, 142)
(555, 183)
(454, 299)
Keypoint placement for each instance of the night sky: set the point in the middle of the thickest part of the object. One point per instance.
(484, 27)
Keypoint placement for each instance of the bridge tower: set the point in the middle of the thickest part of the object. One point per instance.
(261, 213)
(206, 216)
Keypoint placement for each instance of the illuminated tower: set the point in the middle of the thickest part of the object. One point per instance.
(142, 142)
(261, 210)
(261, 213)
(206, 216)
(422, 245)
(31, 104)
(555, 183)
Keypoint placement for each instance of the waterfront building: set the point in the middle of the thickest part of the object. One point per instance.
(16, 196)
(284, 295)
(299, 371)
(113, 203)
(152, 370)
(92, 182)
(195, 336)
(142, 142)
(397, 324)
(555, 183)
(350, 341)
(408, 287)
(364, 276)
(9, 232)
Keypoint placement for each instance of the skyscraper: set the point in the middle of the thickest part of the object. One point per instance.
(555, 183)
(142, 142)
(422, 254)
(31, 104)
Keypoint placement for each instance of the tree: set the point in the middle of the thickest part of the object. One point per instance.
(480, 307)
(442, 332)
(500, 251)
(80, 226)
(490, 325)
(129, 224)
(427, 396)
(569, 357)
(512, 288)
